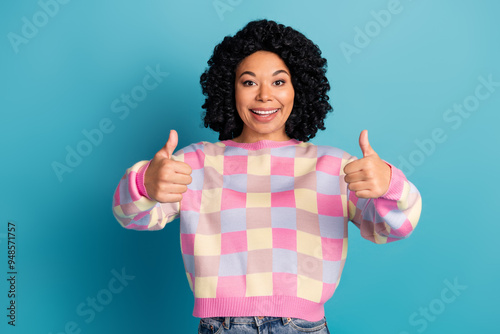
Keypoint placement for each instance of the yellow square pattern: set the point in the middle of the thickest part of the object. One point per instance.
(258, 200)
(260, 284)
(259, 238)
(344, 163)
(380, 239)
(153, 219)
(352, 210)
(309, 288)
(216, 162)
(343, 199)
(137, 166)
(205, 287)
(344, 249)
(211, 200)
(178, 157)
(403, 202)
(305, 199)
(414, 214)
(205, 245)
(309, 244)
(189, 280)
(259, 165)
(303, 166)
(118, 211)
(145, 204)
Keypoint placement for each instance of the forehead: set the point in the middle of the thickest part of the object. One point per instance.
(263, 61)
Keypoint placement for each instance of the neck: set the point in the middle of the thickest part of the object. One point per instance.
(263, 144)
(253, 138)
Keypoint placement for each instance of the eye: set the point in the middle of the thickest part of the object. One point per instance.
(279, 82)
(248, 83)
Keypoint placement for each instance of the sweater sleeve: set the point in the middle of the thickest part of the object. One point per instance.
(132, 206)
(392, 216)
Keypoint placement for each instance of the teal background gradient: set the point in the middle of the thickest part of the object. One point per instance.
(399, 77)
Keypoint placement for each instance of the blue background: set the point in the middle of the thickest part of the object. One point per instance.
(63, 79)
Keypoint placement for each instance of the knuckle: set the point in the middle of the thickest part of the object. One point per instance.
(166, 173)
(175, 198)
(160, 189)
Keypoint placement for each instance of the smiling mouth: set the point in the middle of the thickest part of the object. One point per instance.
(264, 112)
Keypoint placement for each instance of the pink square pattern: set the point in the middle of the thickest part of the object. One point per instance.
(234, 242)
(285, 238)
(282, 166)
(283, 199)
(235, 164)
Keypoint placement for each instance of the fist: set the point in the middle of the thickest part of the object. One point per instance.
(165, 179)
(369, 176)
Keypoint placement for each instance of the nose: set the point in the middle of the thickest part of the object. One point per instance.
(265, 93)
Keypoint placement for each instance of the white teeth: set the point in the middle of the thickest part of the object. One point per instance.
(262, 112)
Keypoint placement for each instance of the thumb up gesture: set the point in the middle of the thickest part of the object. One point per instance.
(369, 176)
(165, 179)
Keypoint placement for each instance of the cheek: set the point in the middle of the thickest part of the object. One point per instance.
(241, 98)
(239, 101)
(237, 97)
(287, 97)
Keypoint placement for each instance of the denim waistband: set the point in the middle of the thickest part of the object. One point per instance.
(227, 321)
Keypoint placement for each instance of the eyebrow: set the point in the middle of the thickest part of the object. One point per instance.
(275, 73)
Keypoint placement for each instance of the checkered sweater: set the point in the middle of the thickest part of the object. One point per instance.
(263, 226)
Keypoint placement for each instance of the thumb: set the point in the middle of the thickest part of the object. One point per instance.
(171, 144)
(364, 144)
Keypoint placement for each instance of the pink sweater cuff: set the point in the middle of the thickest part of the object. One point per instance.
(140, 181)
(396, 186)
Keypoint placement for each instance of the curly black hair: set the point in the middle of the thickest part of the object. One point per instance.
(300, 55)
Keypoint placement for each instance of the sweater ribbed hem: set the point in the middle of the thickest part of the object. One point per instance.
(140, 181)
(269, 306)
(396, 186)
(261, 144)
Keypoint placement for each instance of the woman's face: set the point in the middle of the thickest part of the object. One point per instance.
(264, 97)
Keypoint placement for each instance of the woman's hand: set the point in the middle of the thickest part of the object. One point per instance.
(165, 179)
(369, 176)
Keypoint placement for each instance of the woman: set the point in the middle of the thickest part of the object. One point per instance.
(264, 213)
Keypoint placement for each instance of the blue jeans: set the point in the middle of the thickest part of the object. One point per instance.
(266, 325)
